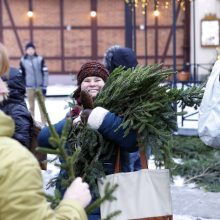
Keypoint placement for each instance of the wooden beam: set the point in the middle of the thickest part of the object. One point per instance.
(145, 35)
(1, 22)
(31, 21)
(170, 36)
(128, 25)
(62, 35)
(13, 26)
(156, 40)
(99, 57)
(186, 44)
(89, 27)
(94, 41)
(134, 28)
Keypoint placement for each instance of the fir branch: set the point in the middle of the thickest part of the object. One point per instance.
(112, 215)
(200, 163)
(73, 154)
(204, 173)
(108, 191)
(188, 97)
(40, 100)
(45, 150)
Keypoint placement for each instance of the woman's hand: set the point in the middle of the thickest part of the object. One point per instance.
(78, 191)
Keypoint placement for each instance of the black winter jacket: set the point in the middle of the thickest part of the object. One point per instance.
(16, 107)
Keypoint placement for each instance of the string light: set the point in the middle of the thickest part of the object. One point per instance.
(157, 4)
(156, 8)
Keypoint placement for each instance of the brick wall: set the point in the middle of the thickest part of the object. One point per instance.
(66, 42)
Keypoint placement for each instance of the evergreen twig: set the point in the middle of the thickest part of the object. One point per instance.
(70, 160)
(108, 196)
(199, 163)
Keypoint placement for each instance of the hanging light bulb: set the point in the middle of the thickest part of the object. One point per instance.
(143, 6)
(93, 14)
(156, 10)
(156, 13)
(30, 14)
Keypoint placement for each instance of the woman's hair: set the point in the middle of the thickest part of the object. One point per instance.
(4, 60)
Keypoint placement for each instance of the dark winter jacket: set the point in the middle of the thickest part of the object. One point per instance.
(16, 107)
(35, 71)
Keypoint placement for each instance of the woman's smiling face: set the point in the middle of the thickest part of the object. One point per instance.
(93, 85)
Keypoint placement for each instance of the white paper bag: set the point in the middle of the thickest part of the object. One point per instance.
(140, 195)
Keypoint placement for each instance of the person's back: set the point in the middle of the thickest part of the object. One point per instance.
(16, 107)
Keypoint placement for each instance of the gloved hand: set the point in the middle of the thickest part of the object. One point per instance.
(78, 191)
(85, 115)
(86, 100)
(88, 105)
(44, 91)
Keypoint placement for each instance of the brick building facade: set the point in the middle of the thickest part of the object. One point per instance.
(67, 36)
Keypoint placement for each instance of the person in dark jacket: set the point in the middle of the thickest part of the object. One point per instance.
(35, 71)
(15, 106)
(114, 57)
(91, 78)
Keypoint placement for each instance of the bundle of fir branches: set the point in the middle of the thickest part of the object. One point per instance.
(147, 105)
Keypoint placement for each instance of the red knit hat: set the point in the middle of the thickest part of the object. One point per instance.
(92, 68)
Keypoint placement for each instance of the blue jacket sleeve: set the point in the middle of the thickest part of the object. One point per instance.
(107, 123)
(44, 135)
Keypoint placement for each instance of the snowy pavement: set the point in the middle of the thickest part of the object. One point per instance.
(189, 203)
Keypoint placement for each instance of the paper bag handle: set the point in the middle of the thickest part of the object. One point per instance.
(144, 163)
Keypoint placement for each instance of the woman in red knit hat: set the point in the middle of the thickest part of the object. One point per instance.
(91, 78)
